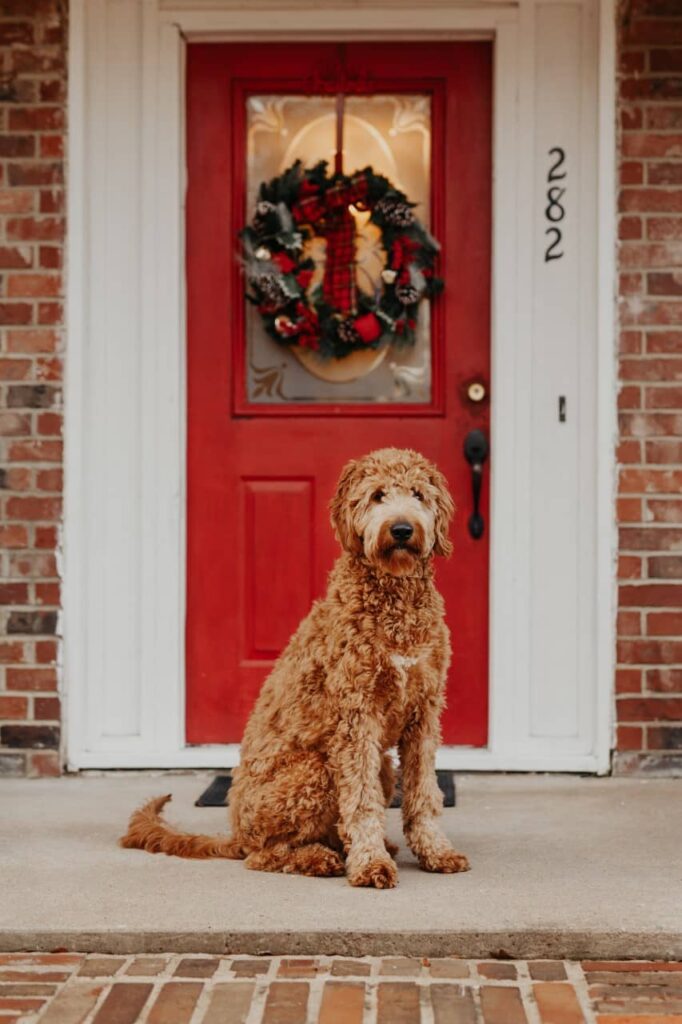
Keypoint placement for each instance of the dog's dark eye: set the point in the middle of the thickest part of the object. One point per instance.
(378, 496)
(418, 495)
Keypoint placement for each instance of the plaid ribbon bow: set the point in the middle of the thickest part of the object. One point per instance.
(331, 215)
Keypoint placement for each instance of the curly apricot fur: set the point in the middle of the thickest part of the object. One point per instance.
(365, 671)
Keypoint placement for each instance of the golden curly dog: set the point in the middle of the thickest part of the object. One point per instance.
(364, 672)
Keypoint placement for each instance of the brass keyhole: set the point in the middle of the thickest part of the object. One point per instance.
(476, 392)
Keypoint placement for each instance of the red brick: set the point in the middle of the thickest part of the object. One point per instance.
(16, 200)
(50, 257)
(650, 200)
(664, 680)
(26, 679)
(630, 228)
(628, 966)
(13, 593)
(101, 967)
(649, 255)
(45, 764)
(630, 118)
(647, 538)
(629, 510)
(35, 229)
(397, 1003)
(664, 173)
(342, 1003)
(629, 451)
(15, 313)
(35, 451)
(502, 1005)
(631, 172)
(11, 651)
(229, 1003)
(650, 481)
(629, 398)
(13, 707)
(50, 313)
(668, 451)
(648, 144)
(649, 709)
(175, 1003)
(650, 424)
(498, 971)
(629, 623)
(46, 709)
(34, 508)
(452, 1005)
(664, 228)
(650, 652)
(51, 147)
(664, 595)
(36, 119)
(35, 340)
(664, 341)
(15, 257)
(49, 479)
(298, 968)
(15, 369)
(123, 1003)
(648, 369)
(665, 283)
(400, 966)
(287, 1003)
(45, 537)
(665, 510)
(36, 173)
(547, 970)
(196, 967)
(348, 968)
(629, 737)
(664, 624)
(52, 200)
(32, 285)
(630, 342)
(630, 284)
(13, 536)
(628, 680)
(664, 737)
(50, 423)
(557, 1003)
(629, 567)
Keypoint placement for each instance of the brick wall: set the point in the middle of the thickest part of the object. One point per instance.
(32, 94)
(649, 675)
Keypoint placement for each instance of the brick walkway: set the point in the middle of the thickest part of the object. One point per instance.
(71, 988)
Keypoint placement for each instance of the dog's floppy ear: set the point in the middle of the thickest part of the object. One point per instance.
(341, 512)
(445, 510)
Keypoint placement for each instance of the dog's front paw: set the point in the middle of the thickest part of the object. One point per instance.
(378, 873)
(447, 862)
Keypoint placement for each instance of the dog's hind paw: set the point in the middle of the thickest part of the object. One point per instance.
(375, 874)
(447, 862)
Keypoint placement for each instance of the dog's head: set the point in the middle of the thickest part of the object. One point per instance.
(393, 506)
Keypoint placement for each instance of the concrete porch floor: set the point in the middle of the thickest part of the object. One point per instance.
(562, 867)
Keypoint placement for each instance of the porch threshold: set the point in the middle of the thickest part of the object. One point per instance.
(562, 868)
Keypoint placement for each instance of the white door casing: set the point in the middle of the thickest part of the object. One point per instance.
(552, 518)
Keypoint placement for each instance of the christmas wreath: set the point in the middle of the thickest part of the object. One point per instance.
(335, 317)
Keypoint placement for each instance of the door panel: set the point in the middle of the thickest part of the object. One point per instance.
(262, 467)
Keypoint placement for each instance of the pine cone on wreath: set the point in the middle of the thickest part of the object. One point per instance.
(346, 333)
(265, 217)
(407, 294)
(272, 291)
(395, 212)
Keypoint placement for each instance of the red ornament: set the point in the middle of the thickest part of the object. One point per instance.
(284, 262)
(368, 327)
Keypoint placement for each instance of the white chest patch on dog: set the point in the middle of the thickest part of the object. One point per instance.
(403, 661)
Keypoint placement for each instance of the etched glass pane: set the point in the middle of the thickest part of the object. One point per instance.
(392, 134)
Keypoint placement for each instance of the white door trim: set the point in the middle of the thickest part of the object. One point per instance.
(125, 370)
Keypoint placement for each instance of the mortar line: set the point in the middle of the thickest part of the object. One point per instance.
(577, 978)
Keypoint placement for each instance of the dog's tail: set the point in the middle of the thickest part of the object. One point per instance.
(147, 830)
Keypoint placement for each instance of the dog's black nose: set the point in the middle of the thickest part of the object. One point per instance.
(401, 532)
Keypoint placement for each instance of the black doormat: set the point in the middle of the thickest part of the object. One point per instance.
(216, 794)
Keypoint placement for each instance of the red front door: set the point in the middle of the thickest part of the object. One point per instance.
(267, 433)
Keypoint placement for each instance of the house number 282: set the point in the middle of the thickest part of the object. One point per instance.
(554, 211)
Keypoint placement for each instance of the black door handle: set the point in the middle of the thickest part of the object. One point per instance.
(476, 451)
